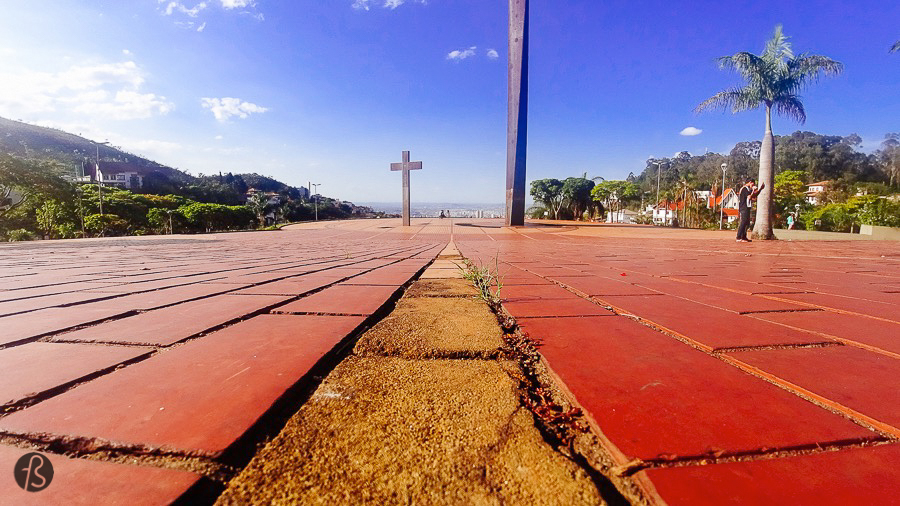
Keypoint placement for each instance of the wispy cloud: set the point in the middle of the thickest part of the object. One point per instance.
(97, 90)
(493, 54)
(237, 4)
(176, 9)
(691, 131)
(365, 5)
(228, 107)
(461, 54)
(193, 12)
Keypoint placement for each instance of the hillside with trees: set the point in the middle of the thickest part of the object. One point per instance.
(862, 187)
(44, 193)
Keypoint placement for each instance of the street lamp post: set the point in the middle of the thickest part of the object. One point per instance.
(316, 201)
(97, 171)
(722, 203)
(658, 170)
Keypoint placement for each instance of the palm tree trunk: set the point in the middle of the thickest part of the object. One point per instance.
(765, 204)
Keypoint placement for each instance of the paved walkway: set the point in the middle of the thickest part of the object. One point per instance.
(713, 370)
(716, 372)
(154, 359)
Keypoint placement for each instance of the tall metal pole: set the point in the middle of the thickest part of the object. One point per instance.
(517, 114)
(316, 200)
(99, 182)
(722, 202)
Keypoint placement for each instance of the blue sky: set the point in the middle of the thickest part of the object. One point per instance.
(333, 90)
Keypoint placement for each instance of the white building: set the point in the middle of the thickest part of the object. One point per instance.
(814, 192)
(621, 216)
(121, 174)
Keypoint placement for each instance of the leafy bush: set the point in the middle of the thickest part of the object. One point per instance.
(105, 225)
(19, 234)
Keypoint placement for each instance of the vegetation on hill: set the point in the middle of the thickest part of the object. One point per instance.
(39, 197)
(862, 187)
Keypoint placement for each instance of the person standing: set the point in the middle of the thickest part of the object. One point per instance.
(746, 196)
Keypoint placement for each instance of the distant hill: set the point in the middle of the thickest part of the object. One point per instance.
(24, 140)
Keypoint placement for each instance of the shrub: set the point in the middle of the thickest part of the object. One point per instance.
(19, 234)
(105, 225)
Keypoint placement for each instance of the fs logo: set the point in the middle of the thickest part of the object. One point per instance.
(33, 472)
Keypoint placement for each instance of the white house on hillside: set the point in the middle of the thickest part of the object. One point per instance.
(121, 174)
(814, 191)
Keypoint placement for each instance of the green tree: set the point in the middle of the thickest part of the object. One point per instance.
(22, 180)
(577, 194)
(615, 195)
(105, 225)
(790, 192)
(259, 203)
(774, 79)
(549, 193)
(49, 217)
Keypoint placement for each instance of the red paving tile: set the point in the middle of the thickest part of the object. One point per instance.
(855, 476)
(856, 378)
(291, 286)
(878, 333)
(572, 305)
(37, 367)
(599, 285)
(723, 299)
(200, 396)
(528, 292)
(45, 321)
(867, 307)
(91, 482)
(20, 305)
(342, 299)
(716, 328)
(389, 276)
(172, 324)
(654, 397)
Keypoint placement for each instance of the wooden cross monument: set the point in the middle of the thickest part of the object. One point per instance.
(406, 166)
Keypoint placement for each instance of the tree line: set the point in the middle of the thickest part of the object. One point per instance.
(38, 200)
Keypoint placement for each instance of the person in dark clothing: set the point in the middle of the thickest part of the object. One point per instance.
(746, 196)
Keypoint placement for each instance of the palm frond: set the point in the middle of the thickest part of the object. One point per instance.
(895, 47)
(809, 66)
(778, 48)
(790, 106)
(737, 99)
(748, 65)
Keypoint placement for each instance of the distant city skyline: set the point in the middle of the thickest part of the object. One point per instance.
(332, 92)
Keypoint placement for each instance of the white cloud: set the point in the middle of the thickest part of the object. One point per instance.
(127, 52)
(104, 90)
(201, 27)
(236, 4)
(193, 12)
(123, 105)
(493, 54)
(691, 131)
(219, 137)
(388, 4)
(228, 107)
(461, 54)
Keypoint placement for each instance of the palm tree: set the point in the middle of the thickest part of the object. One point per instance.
(774, 79)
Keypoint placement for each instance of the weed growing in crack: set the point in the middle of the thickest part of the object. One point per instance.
(486, 279)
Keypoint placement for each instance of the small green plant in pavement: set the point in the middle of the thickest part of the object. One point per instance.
(486, 279)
